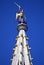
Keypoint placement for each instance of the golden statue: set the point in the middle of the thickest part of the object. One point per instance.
(20, 16)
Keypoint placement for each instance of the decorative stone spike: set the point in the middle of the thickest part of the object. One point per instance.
(11, 59)
(31, 63)
(26, 44)
(17, 37)
(29, 48)
(16, 45)
(14, 54)
(28, 53)
(27, 38)
(31, 59)
(14, 49)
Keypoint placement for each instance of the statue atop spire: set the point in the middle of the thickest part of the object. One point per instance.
(20, 16)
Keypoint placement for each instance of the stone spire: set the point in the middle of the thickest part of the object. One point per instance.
(21, 55)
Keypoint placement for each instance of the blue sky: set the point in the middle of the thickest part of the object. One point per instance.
(34, 11)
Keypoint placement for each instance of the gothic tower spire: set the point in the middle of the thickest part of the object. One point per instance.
(22, 55)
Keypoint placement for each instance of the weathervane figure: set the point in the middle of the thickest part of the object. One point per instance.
(20, 16)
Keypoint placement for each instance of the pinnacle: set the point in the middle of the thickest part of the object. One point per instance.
(16, 45)
(14, 54)
(22, 50)
(29, 48)
(14, 49)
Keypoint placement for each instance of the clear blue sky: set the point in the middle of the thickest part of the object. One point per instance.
(34, 11)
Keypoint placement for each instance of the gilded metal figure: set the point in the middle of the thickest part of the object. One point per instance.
(20, 16)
